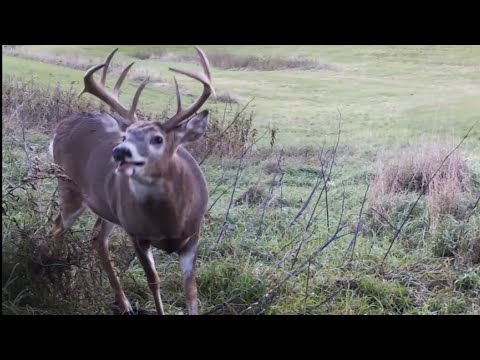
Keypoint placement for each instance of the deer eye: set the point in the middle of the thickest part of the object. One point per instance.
(157, 140)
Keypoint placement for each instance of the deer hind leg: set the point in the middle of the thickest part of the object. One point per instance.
(188, 258)
(100, 236)
(144, 254)
(71, 207)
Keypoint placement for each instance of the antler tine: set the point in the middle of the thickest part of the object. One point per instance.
(99, 90)
(116, 89)
(87, 78)
(133, 109)
(108, 60)
(205, 63)
(179, 99)
(205, 79)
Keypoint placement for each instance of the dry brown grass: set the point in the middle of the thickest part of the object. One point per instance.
(150, 54)
(253, 195)
(412, 172)
(224, 60)
(32, 273)
(226, 97)
(225, 137)
(135, 74)
(474, 251)
(39, 107)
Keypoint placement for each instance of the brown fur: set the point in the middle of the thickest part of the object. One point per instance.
(159, 196)
(83, 148)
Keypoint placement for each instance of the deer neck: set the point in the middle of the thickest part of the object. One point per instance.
(146, 190)
(160, 187)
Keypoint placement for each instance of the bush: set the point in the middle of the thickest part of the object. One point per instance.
(414, 173)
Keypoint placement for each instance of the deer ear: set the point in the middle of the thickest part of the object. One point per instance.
(192, 129)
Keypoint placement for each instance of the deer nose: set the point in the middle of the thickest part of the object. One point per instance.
(120, 153)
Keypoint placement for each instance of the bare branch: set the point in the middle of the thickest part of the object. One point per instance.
(351, 246)
(384, 218)
(237, 177)
(471, 211)
(224, 131)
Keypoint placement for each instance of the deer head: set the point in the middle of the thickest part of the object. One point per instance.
(146, 147)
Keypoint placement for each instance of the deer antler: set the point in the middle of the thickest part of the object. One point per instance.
(100, 91)
(205, 79)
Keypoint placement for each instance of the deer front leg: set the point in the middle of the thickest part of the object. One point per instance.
(188, 257)
(145, 256)
(100, 235)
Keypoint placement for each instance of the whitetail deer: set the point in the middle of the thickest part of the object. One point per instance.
(137, 175)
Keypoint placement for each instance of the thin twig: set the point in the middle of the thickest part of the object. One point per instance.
(351, 246)
(310, 221)
(292, 273)
(384, 218)
(263, 206)
(270, 195)
(219, 181)
(471, 211)
(224, 131)
(27, 153)
(306, 203)
(237, 177)
(220, 196)
(297, 250)
(254, 286)
(306, 290)
(332, 296)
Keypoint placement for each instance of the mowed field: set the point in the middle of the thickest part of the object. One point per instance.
(347, 149)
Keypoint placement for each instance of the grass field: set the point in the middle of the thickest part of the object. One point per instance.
(354, 136)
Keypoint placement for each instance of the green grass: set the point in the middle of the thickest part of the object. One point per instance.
(388, 98)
